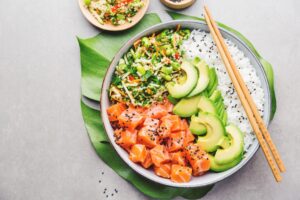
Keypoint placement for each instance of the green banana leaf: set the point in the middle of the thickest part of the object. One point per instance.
(106, 152)
(96, 54)
(266, 65)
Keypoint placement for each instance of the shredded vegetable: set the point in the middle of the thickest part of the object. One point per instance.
(141, 74)
(116, 12)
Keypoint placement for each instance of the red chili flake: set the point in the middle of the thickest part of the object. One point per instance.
(131, 78)
(177, 55)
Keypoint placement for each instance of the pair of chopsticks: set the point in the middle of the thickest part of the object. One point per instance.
(254, 117)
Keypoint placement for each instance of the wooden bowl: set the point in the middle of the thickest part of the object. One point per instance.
(178, 5)
(110, 27)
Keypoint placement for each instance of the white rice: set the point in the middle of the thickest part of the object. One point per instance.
(202, 45)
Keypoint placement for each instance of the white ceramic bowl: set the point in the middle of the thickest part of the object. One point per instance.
(208, 178)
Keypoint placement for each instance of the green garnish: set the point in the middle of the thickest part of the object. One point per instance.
(116, 12)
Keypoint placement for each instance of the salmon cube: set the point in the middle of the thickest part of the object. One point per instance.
(164, 129)
(164, 170)
(180, 174)
(125, 138)
(138, 153)
(151, 123)
(130, 119)
(148, 137)
(159, 155)
(189, 138)
(138, 109)
(176, 123)
(148, 161)
(156, 111)
(184, 125)
(178, 158)
(168, 105)
(176, 141)
(114, 111)
(197, 158)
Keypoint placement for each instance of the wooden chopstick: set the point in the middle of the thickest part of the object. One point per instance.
(253, 107)
(242, 97)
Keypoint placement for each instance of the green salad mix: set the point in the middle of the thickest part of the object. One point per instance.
(152, 61)
(116, 12)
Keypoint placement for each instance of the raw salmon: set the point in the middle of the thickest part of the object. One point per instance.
(168, 105)
(156, 111)
(151, 123)
(178, 158)
(164, 170)
(189, 138)
(197, 158)
(138, 153)
(148, 161)
(164, 129)
(148, 137)
(159, 155)
(174, 120)
(180, 174)
(155, 137)
(125, 138)
(130, 119)
(184, 125)
(114, 111)
(176, 141)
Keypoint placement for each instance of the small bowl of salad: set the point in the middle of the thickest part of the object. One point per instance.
(114, 15)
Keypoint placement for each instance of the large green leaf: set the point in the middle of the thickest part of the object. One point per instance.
(106, 152)
(96, 54)
(267, 66)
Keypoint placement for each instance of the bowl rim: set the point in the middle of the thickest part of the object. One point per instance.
(133, 166)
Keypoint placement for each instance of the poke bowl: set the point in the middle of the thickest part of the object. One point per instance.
(170, 110)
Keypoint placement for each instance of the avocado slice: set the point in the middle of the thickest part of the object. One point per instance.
(221, 112)
(203, 79)
(224, 118)
(213, 88)
(187, 107)
(181, 90)
(236, 148)
(213, 81)
(224, 143)
(219, 105)
(206, 105)
(214, 166)
(215, 132)
(197, 128)
(216, 96)
(212, 75)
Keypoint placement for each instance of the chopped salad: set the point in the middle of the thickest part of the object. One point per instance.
(152, 61)
(116, 12)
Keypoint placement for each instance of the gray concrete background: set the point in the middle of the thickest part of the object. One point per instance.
(44, 149)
